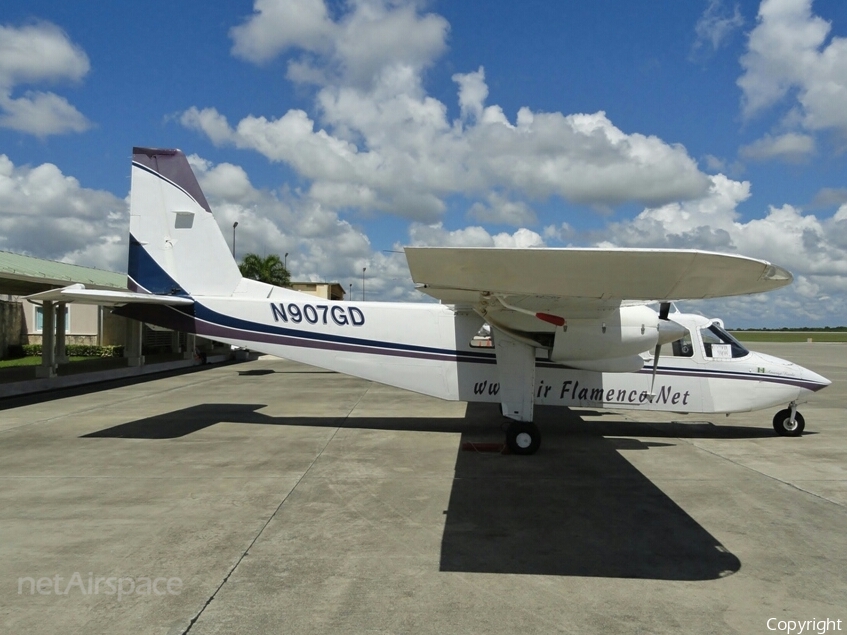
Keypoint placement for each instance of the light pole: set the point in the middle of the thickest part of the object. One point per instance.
(363, 283)
(234, 225)
(350, 296)
(285, 262)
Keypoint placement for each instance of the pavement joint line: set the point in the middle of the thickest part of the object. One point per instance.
(271, 517)
(768, 476)
(692, 443)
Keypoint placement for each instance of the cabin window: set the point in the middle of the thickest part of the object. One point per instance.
(719, 344)
(682, 347)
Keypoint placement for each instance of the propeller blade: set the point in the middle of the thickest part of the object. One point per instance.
(664, 310)
(651, 395)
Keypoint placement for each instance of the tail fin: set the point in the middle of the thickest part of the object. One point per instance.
(175, 245)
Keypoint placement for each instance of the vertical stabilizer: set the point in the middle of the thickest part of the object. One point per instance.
(175, 244)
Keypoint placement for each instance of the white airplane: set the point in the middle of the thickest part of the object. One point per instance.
(567, 327)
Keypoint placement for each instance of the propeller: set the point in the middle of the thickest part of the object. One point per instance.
(664, 309)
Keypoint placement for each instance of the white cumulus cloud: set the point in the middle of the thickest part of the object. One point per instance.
(814, 249)
(47, 214)
(36, 54)
(370, 36)
(791, 147)
(474, 236)
(380, 143)
(502, 211)
(792, 59)
(276, 26)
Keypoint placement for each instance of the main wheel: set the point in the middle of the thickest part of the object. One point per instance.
(785, 427)
(523, 437)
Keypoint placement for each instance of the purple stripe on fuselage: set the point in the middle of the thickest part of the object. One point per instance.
(216, 330)
(717, 374)
(212, 329)
(773, 379)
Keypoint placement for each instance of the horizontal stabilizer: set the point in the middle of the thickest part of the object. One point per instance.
(79, 294)
(455, 274)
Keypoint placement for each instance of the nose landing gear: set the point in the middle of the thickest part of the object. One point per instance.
(789, 422)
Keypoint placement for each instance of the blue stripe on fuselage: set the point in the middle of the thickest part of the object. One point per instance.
(377, 347)
(205, 313)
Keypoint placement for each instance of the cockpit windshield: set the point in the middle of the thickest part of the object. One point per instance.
(721, 345)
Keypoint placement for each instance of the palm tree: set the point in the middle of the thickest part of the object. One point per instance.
(268, 269)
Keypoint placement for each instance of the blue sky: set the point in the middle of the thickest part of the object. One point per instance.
(340, 131)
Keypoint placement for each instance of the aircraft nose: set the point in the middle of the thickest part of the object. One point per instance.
(801, 377)
(813, 380)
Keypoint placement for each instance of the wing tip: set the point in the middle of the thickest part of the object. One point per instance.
(776, 275)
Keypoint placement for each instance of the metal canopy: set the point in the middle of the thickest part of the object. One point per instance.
(25, 275)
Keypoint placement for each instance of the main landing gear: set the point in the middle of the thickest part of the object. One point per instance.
(789, 422)
(523, 437)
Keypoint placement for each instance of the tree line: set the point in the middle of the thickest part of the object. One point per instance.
(268, 269)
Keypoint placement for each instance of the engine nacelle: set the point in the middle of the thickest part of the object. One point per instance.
(623, 333)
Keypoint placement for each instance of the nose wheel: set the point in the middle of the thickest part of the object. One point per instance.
(523, 437)
(789, 422)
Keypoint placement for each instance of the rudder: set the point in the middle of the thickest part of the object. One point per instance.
(175, 244)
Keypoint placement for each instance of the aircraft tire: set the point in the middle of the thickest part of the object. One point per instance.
(523, 438)
(783, 426)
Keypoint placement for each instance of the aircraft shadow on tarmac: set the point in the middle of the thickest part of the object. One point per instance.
(579, 508)
(576, 508)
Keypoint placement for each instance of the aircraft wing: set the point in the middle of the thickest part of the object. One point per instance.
(594, 279)
(79, 294)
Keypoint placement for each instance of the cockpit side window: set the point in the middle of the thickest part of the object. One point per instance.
(719, 344)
